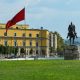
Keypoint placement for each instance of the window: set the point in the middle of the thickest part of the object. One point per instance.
(5, 34)
(30, 43)
(37, 51)
(14, 34)
(16, 27)
(37, 35)
(24, 43)
(36, 44)
(23, 35)
(30, 35)
(5, 43)
(15, 43)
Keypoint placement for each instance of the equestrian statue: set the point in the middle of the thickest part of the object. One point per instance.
(71, 33)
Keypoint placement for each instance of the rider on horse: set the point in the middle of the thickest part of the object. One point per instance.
(71, 32)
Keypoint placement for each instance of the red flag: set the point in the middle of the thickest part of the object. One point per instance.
(17, 18)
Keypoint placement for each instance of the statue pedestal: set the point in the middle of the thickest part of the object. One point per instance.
(72, 52)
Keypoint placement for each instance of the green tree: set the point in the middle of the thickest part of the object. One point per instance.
(1, 49)
(14, 50)
(8, 49)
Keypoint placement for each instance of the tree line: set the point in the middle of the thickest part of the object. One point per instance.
(8, 50)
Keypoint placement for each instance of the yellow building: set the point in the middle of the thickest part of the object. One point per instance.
(35, 40)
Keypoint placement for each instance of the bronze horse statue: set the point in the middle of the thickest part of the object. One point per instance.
(71, 33)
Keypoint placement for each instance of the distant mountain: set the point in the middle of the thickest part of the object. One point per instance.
(76, 42)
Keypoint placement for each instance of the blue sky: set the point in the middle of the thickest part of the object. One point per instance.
(54, 15)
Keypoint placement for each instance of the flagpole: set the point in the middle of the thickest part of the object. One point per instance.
(5, 38)
(25, 35)
(14, 46)
(11, 44)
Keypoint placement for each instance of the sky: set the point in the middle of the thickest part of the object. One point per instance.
(54, 15)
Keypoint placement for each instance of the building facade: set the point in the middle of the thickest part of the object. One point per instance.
(52, 43)
(33, 41)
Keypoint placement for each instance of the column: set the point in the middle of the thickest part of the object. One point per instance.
(18, 54)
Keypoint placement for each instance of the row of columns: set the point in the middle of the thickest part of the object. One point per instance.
(39, 53)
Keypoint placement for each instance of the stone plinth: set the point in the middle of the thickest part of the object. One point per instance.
(72, 52)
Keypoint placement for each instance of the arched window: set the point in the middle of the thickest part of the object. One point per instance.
(37, 35)
(30, 35)
(5, 34)
(23, 35)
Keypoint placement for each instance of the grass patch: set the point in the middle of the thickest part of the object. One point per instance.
(40, 70)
